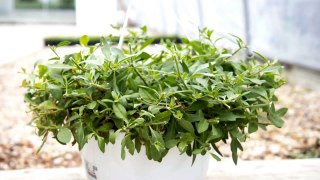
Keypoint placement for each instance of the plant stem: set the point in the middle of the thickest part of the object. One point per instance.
(179, 75)
(252, 106)
(44, 140)
(79, 67)
(260, 70)
(144, 81)
(135, 70)
(234, 53)
(53, 49)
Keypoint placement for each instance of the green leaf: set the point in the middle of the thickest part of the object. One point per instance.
(148, 151)
(63, 43)
(234, 150)
(116, 54)
(60, 66)
(241, 137)
(144, 29)
(186, 125)
(57, 78)
(276, 120)
(184, 67)
(262, 92)
(64, 135)
(120, 111)
(195, 106)
(137, 122)
(81, 109)
(197, 46)
(106, 127)
(185, 40)
(80, 137)
(113, 136)
(162, 117)
(146, 113)
(147, 95)
(48, 105)
(154, 109)
(200, 68)
(215, 133)
(182, 146)
(155, 153)
(107, 100)
(123, 145)
(281, 112)
(231, 95)
(54, 58)
(129, 144)
(23, 70)
(147, 43)
(157, 140)
(143, 56)
(52, 86)
(114, 95)
(203, 124)
(137, 144)
(257, 81)
(216, 149)
(84, 40)
(229, 116)
(215, 157)
(74, 117)
(24, 83)
(197, 151)
(92, 105)
(272, 108)
(42, 70)
(101, 143)
(253, 127)
(171, 131)
(171, 143)
(106, 50)
(272, 69)
(261, 56)
(144, 134)
(238, 144)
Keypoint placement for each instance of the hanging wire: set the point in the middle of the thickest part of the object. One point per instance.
(182, 26)
(198, 26)
(246, 15)
(200, 13)
(124, 26)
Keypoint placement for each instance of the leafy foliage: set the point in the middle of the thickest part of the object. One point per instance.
(189, 95)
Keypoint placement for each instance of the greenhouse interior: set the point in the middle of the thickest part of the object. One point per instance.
(137, 89)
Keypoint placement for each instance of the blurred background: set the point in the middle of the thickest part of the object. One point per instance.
(286, 30)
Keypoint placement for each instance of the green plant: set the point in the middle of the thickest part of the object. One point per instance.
(189, 95)
(307, 153)
(55, 40)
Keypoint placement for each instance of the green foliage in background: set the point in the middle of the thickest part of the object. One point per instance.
(307, 153)
(55, 40)
(190, 95)
(38, 4)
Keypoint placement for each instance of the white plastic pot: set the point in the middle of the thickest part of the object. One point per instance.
(110, 166)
